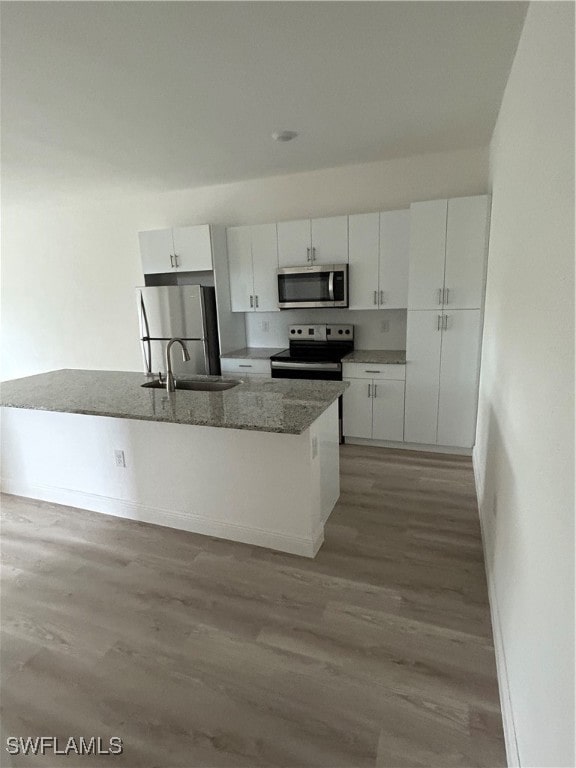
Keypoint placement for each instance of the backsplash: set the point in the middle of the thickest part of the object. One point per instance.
(380, 329)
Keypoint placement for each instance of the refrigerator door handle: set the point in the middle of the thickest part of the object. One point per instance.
(145, 335)
(147, 354)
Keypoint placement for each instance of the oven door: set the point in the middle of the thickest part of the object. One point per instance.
(325, 286)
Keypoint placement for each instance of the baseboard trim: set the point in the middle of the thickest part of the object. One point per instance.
(186, 521)
(409, 446)
(510, 737)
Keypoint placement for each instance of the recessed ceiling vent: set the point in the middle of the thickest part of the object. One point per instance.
(284, 135)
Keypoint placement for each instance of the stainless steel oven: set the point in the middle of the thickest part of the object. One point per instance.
(319, 286)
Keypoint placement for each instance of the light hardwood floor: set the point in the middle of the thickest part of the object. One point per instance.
(200, 653)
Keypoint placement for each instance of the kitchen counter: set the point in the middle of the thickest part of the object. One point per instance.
(377, 356)
(269, 405)
(253, 353)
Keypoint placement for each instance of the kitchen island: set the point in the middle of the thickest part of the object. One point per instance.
(257, 463)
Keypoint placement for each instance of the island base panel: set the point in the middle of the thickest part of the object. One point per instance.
(262, 488)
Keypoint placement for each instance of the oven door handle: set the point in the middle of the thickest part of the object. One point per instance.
(306, 366)
(331, 286)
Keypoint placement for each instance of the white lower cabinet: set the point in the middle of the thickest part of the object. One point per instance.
(245, 367)
(374, 408)
(442, 368)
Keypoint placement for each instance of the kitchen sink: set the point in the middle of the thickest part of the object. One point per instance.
(196, 385)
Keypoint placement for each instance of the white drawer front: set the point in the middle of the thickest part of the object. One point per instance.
(373, 371)
(245, 366)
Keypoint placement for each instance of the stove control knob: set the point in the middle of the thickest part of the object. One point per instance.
(347, 330)
(292, 331)
(340, 331)
(299, 330)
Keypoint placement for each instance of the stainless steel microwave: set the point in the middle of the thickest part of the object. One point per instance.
(319, 286)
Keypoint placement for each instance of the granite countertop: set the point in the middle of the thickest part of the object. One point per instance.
(377, 356)
(269, 405)
(253, 353)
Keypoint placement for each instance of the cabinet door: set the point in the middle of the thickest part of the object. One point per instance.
(357, 409)
(460, 364)
(466, 250)
(388, 410)
(156, 250)
(330, 240)
(363, 249)
(294, 243)
(394, 252)
(193, 248)
(427, 254)
(423, 344)
(240, 269)
(265, 265)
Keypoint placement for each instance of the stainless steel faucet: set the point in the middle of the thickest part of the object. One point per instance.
(170, 386)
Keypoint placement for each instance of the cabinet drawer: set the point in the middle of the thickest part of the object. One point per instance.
(245, 366)
(373, 371)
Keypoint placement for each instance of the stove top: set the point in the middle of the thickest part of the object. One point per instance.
(317, 344)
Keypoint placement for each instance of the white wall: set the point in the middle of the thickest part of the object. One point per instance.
(68, 274)
(524, 456)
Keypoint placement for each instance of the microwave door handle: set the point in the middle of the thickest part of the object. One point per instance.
(331, 286)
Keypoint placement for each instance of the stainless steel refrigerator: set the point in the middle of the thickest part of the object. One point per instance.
(186, 311)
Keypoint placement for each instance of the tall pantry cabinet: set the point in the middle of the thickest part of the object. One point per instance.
(448, 250)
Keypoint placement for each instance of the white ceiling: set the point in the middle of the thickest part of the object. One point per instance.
(103, 97)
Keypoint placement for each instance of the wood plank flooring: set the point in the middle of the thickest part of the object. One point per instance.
(203, 653)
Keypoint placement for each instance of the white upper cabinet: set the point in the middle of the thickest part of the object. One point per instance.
(378, 251)
(308, 242)
(265, 266)
(294, 243)
(252, 263)
(192, 248)
(156, 251)
(364, 255)
(448, 249)
(330, 240)
(427, 254)
(187, 249)
(240, 269)
(394, 251)
(466, 250)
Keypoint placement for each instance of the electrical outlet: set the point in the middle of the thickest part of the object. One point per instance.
(119, 458)
(385, 326)
(265, 325)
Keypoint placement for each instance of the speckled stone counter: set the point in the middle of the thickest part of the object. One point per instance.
(377, 356)
(253, 353)
(269, 405)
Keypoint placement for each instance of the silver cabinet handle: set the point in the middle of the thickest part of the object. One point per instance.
(375, 390)
(445, 323)
(252, 302)
(375, 297)
(313, 254)
(369, 390)
(308, 254)
(440, 295)
(171, 260)
(381, 297)
(176, 260)
(241, 365)
(367, 371)
(256, 301)
(447, 297)
(439, 323)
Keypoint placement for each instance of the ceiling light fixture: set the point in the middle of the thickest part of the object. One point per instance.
(284, 135)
